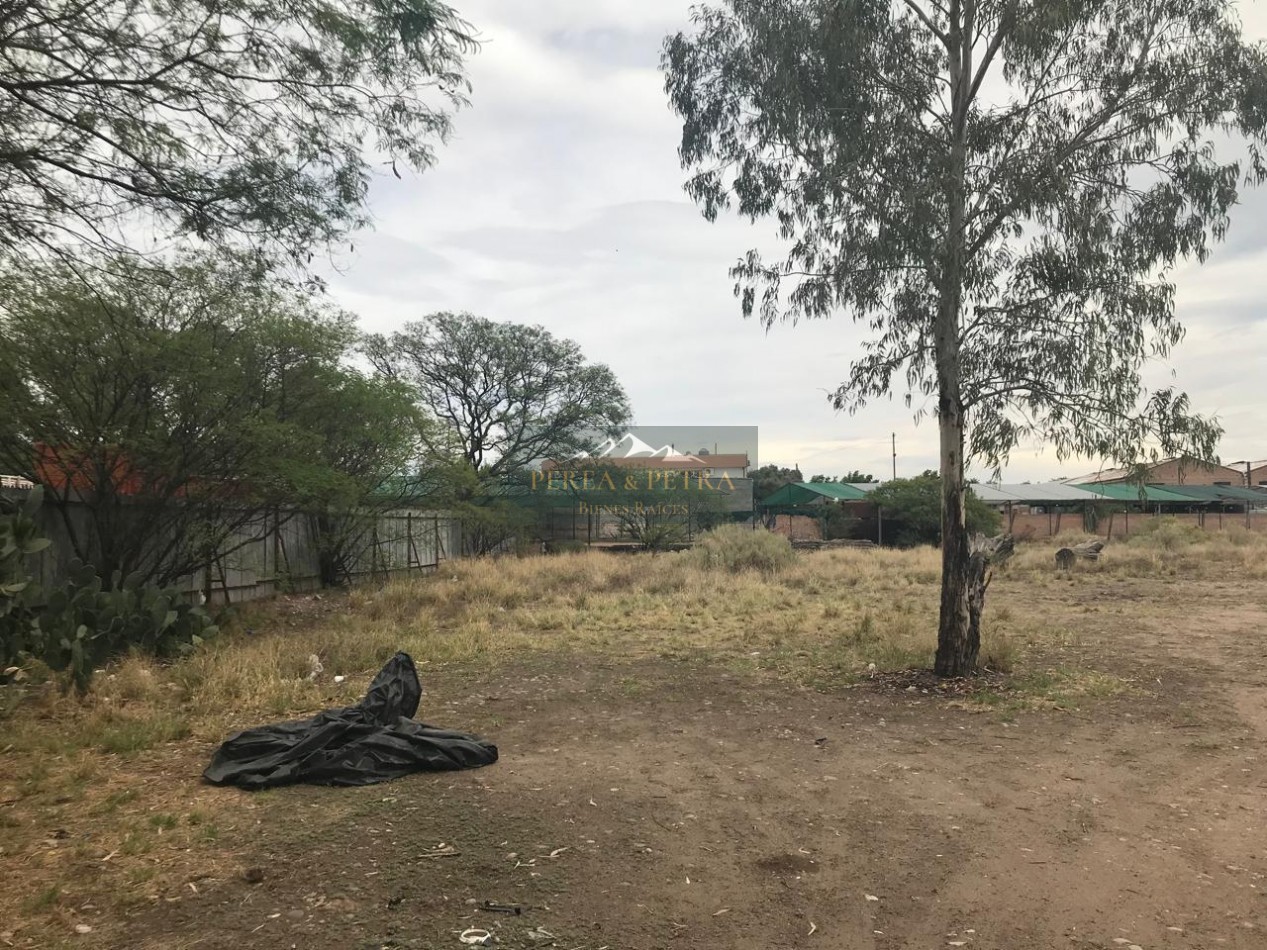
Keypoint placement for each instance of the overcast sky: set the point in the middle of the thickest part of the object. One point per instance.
(559, 202)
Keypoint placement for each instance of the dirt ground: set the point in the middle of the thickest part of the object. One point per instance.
(681, 803)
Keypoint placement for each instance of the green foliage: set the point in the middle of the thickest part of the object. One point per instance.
(652, 533)
(853, 477)
(738, 548)
(838, 523)
(1000, 190)
(492, 513)
(20, 539)
(1024, 176)
(177, 402)
(489, 523)
(80, 625)
(505, 395)
(234, 121)
(127, 736)
(77, 626)
(912, 511)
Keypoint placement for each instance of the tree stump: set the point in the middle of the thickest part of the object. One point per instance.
(1089, 550)
(1064, 559)
(997, 550)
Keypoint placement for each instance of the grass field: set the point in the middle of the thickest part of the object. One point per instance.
(102, 817)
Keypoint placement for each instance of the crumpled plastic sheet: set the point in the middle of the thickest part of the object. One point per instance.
(374, 741)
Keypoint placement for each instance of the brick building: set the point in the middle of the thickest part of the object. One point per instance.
(1176, 471)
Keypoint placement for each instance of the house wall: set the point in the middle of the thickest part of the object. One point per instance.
(1180, 472)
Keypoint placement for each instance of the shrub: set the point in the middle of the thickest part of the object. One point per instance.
(565, 546)
(737, 548)
(19, 540)
(1168, 534)
(79, 626)
(912, 511)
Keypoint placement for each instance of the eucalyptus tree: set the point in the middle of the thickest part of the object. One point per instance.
(998, 189)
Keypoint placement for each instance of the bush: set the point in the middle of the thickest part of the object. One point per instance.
(912, 511)
(1168, 534)
(81, 625)
(78, 626)
(737, 548)
(19, 540)
(565, 546)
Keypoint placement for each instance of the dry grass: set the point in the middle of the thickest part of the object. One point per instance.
(1164, 547)
(113, 772)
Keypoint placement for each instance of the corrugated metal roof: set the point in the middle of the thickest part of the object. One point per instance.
(1152, 494)
(1180, 494)
(1217, 493)
(993, 494)
(803, 493)
(1048, 492)
(1042, 493)
(1103, 475)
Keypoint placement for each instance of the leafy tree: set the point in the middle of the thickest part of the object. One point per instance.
(169, 406)
(912, 511)
(365, 432)
(849, 478)
(224, 120)
(838, 522)
(506, 395)
(492, 513)
(768, 479)
(999, 188)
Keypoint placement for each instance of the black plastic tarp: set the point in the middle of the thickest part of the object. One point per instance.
(374, 741)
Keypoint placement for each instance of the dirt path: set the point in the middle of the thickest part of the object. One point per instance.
(678, 805)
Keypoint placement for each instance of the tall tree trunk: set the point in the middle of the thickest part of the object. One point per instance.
(958, 637)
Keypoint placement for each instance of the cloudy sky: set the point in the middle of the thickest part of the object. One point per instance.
(559, 202)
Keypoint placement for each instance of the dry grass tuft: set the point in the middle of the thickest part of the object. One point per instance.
(1162, 547)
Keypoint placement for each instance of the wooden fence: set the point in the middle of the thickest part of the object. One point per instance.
(277, 553)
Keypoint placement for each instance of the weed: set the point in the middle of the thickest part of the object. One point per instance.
(736, 548)
(128, 734)
(45, 900)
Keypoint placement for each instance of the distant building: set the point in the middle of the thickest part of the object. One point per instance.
(1176, 471)
(709, 466)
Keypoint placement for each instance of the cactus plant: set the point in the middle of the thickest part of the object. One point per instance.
(80, 624)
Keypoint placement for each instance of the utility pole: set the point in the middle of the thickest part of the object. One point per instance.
(894, 455)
